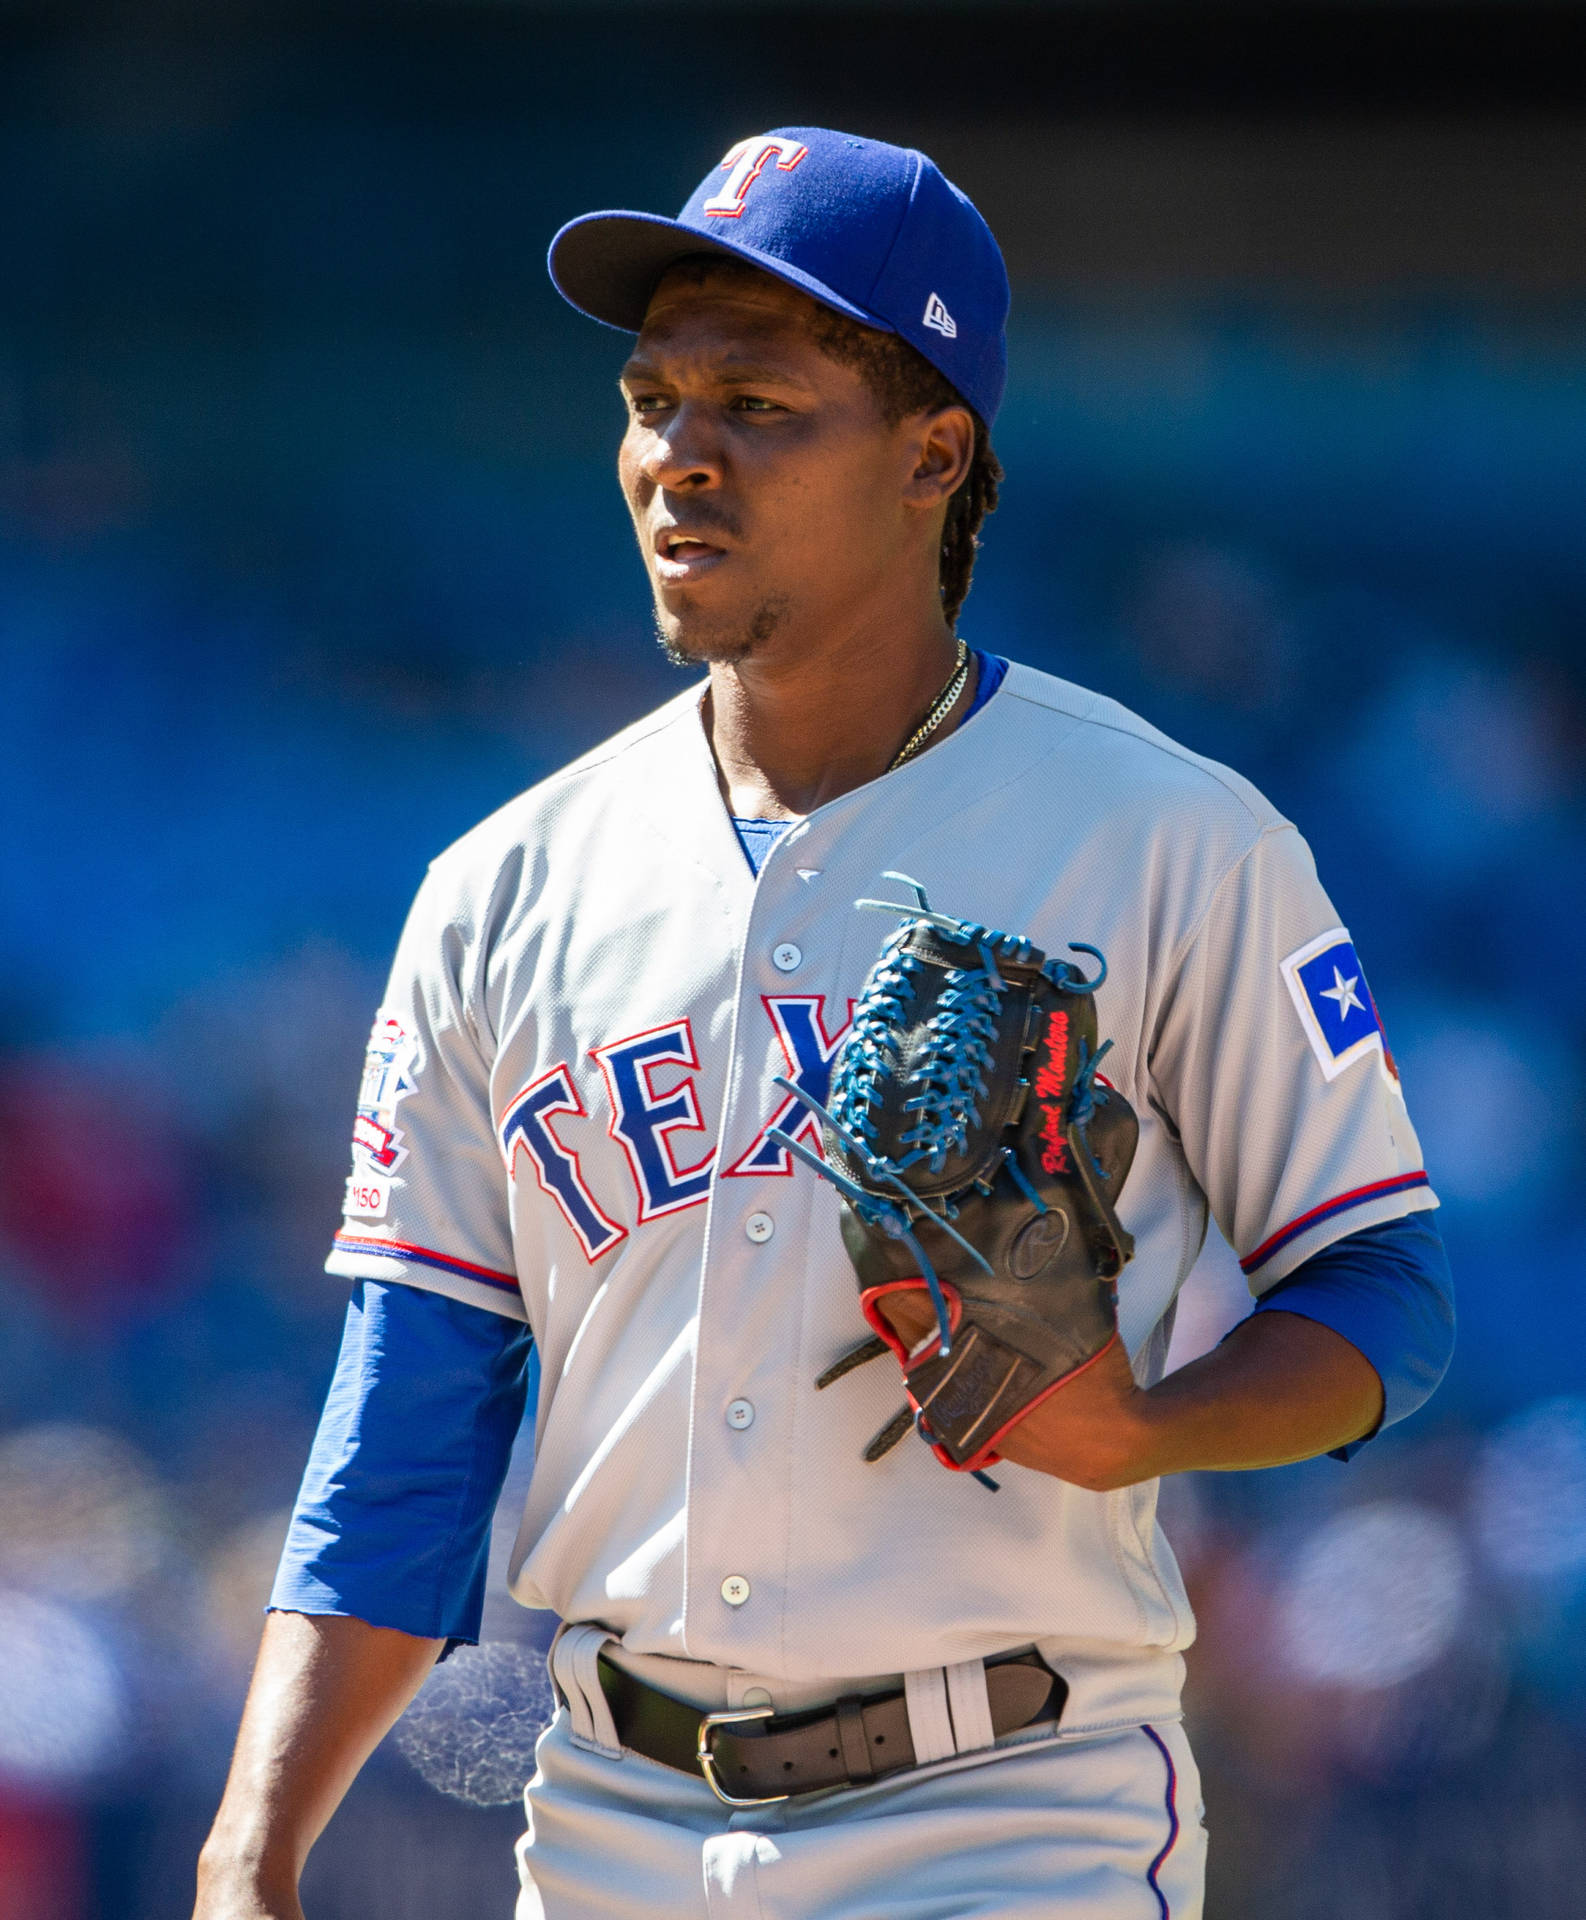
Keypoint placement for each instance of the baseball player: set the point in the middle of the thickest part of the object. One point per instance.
(846, 1241)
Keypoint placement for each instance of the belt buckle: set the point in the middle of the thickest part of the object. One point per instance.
(708, 1722)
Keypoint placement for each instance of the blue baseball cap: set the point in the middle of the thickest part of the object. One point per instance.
(874, 231)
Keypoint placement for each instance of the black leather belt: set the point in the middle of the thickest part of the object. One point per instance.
(751, 1756)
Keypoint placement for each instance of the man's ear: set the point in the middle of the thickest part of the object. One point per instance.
(941, 446)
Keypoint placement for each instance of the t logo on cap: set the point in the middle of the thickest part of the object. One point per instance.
(744, 163)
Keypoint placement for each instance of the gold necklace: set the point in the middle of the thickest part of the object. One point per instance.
(941, 706)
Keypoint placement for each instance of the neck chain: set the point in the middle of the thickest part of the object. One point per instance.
(941, 706)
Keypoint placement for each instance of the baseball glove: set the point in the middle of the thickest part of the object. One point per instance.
(979, 1156)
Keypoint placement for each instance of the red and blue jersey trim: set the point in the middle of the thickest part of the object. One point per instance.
(424, 1256)
(1357, 1197)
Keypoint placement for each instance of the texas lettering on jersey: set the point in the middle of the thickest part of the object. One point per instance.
(809, 1051)
(648, 1080)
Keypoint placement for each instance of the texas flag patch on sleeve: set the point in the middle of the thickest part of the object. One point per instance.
(1327, 984)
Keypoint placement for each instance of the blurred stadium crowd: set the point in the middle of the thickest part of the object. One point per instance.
(309, 557)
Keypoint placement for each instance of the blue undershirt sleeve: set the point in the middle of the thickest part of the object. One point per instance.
(1389, 1292)
(392, 1523)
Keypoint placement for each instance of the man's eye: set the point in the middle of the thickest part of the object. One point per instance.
(647, 403)
(754, 403)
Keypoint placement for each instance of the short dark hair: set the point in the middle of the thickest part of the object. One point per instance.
(902, 381)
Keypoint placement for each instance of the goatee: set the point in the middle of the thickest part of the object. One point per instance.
(723, 649)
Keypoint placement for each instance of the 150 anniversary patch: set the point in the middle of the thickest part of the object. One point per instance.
(377, 1148)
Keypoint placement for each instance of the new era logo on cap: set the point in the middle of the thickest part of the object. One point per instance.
(875, 231)
(937, 316)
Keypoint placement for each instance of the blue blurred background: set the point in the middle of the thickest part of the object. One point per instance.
(310, 555)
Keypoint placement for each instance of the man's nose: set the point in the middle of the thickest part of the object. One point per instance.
(684, 455)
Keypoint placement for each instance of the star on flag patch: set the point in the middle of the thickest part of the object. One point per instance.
(1327, 984)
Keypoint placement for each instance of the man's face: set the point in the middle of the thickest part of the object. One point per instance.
(768, 492)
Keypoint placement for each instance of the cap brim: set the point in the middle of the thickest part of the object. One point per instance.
(607, 265)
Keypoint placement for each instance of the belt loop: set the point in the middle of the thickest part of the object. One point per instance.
(574, 1652)
(853, 1739)
(971, 1706)
(930, 1724)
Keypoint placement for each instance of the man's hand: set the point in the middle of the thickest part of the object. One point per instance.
(325, 1692)
(1279, 1388)
(1093, 1432)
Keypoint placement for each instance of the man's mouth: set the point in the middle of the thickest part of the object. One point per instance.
(682, 556)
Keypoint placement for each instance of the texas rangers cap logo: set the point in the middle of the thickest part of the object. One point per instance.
(744, 163)
(1328, 987)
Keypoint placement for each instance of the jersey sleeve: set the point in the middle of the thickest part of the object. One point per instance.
(1271, 1064)
(427, 1199)
(1388, 1291)
(392, 1521)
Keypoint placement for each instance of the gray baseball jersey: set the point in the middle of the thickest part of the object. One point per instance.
(565, 1117)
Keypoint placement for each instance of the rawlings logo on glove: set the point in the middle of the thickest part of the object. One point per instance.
(979, 1156)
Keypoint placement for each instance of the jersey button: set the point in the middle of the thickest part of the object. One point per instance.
(759, 1227)
(740, 1414)
(786, 957)
(735, 1589)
